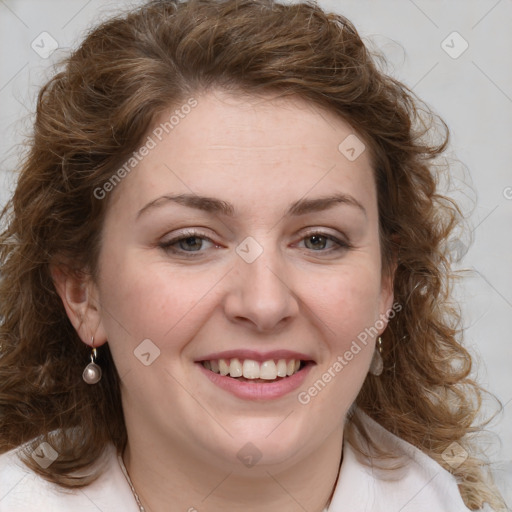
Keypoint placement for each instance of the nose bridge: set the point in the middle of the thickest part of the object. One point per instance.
(261, 293)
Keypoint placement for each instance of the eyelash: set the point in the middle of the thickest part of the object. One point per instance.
(168, 245)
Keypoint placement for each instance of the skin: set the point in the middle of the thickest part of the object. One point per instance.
(303, 294)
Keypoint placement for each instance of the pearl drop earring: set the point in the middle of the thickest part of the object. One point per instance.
(92, 372)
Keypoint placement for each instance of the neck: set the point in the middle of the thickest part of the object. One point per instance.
(190, 484)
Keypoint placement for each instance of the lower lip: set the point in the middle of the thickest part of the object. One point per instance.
(258, 390)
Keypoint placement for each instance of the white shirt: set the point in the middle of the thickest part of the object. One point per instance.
(421, 485)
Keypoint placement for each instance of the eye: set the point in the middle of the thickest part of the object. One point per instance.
(323, 242)
(188, 242)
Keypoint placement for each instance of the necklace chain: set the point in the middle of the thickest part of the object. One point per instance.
(128, 479)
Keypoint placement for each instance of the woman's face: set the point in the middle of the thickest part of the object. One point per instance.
(270, 252)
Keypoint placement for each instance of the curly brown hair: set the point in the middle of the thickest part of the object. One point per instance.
(92, 115)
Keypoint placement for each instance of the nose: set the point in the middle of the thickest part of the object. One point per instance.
(261, 294)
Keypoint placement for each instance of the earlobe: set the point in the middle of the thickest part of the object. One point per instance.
(79, 297)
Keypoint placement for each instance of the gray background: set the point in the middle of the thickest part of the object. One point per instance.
(471, 91)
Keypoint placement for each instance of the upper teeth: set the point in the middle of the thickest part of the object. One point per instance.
(250, 369)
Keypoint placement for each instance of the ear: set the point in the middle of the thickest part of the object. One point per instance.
(388, 280)
(79, 296)
(386, 291)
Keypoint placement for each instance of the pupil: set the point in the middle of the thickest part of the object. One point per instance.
(318, 241)
(188, 243)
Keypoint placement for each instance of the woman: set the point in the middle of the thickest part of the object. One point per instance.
(225, 279)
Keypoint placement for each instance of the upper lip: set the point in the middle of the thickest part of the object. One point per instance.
(255, 356)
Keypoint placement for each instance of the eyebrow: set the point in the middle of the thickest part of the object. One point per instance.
(213, 205)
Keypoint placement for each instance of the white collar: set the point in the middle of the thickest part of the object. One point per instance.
(419, 485)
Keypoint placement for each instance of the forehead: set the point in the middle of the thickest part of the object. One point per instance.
(251, 148)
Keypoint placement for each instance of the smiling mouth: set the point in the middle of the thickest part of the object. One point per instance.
(249, 370)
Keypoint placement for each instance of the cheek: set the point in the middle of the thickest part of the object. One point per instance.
(150, 301)
(347, 310)
(347, 301)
